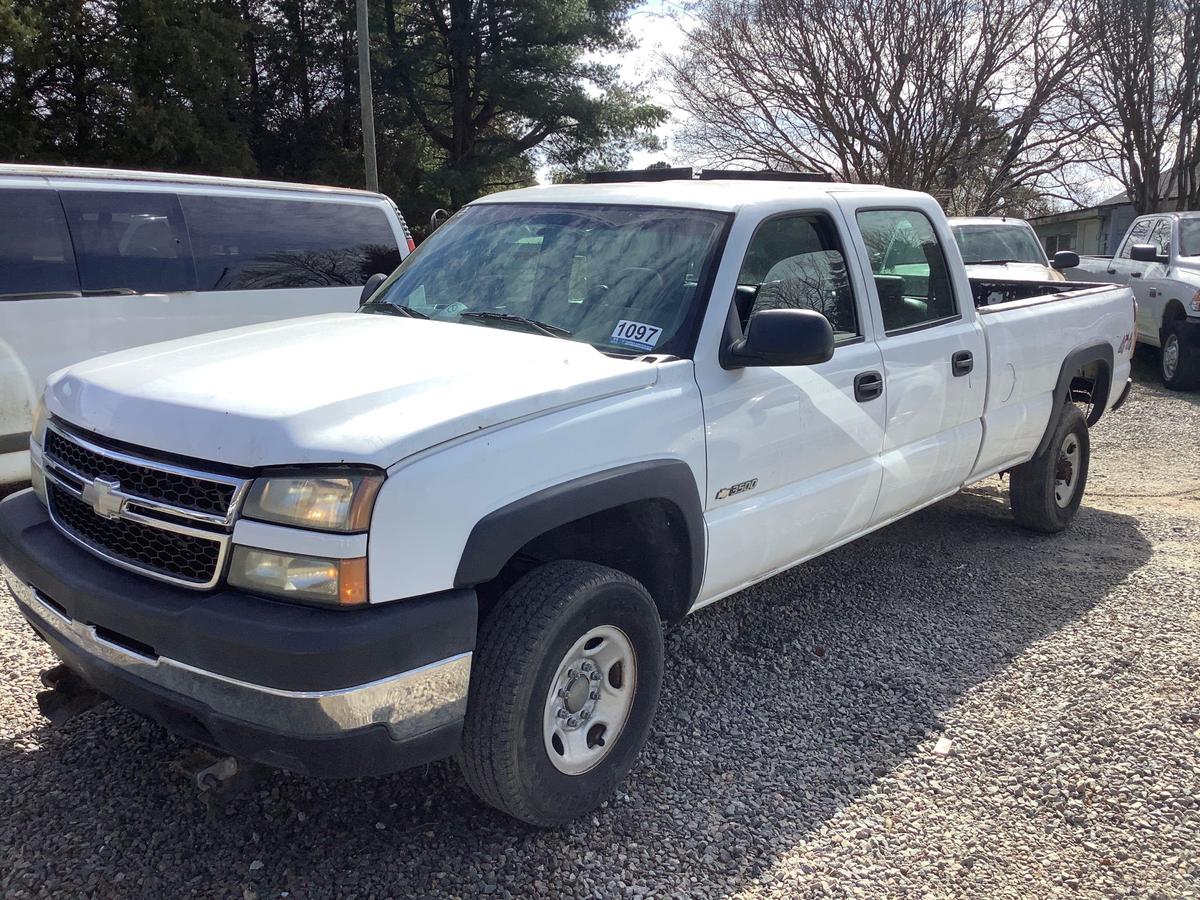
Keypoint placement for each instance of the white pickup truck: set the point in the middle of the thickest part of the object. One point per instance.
(455, 522)
(1159, 258)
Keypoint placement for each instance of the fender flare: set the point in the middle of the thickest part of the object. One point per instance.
(1077, 359)
(500, 534)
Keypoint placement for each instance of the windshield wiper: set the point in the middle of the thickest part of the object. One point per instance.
(391, 309)
(533, 324)
(991, 262)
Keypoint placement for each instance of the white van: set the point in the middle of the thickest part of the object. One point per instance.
(95, 260)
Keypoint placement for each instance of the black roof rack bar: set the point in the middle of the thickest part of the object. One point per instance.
(687, 173)
(742, 175)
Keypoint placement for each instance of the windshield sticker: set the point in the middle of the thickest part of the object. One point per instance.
(636, 334)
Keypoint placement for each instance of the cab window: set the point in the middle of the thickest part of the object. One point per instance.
(796, 262)
(250, 243)
(912, 278)
(35, 247)
(1137, 235)
(129, 241)
(1160, 236)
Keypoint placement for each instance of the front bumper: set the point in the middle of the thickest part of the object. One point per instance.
(321, 692)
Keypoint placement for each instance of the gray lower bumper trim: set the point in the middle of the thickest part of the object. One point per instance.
(409, 704)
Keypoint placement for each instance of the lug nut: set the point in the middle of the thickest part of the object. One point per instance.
(563, 693)
(572, 722)
(562, 713)
(586, 665)
(594, 695)
(596, 676)
(571, 673)
(583, 714)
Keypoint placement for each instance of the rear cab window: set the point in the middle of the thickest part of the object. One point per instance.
(258, 243)
(908, 262)
(36, 257)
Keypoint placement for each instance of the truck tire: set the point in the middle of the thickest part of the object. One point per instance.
(564, 686)
(1045, 492)
(1179, 363)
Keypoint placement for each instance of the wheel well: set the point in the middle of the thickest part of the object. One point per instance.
(1090, 386)
(646, 539)
(1174, 311)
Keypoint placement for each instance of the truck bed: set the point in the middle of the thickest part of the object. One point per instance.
(1030, 329)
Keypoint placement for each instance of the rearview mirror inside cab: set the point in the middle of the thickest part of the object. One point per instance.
(1145, 253)
(781, 337)
(1065, 259)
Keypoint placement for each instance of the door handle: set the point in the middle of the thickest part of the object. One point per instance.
(1135, 274)
(1112, 271)
(962, 362)
(1153, 292)
(867, 386)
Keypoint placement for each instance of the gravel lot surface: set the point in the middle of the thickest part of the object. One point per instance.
(794, 753)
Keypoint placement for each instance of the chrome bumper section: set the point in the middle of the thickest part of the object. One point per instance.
(409, 704)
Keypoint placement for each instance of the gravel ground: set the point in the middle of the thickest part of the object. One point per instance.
(794, 751)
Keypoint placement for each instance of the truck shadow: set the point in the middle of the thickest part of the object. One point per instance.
(1145, 371)
(782, 705)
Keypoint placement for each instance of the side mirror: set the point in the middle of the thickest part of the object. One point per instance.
(371, 287)
(1065, 259)
(1145, 253)
(781, 337)
(437, 219)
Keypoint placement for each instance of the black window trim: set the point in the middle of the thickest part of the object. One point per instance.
(791, 214)
(920, 326)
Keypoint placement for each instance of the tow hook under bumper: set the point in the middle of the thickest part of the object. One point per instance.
(66, 695)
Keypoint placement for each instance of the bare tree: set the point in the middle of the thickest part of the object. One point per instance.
(1140, 88)
(965, 99)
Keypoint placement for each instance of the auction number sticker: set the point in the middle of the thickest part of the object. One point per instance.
(636, 334)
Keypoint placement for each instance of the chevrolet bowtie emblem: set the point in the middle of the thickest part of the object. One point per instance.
(104, 497)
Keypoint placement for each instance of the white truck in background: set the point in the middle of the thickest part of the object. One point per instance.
(454, 522)
(1159, 258)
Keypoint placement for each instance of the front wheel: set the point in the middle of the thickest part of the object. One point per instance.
(564, 686)
(1179, 363)
(1045, 492)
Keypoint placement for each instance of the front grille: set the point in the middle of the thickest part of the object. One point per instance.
(156, 550)
(177, 489)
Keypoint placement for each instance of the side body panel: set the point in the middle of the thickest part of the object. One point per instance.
(432, 500)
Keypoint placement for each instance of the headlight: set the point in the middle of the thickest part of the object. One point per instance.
(308, 579)
(36, 476)
(39, 421)
(1196, 302)
(327, 501)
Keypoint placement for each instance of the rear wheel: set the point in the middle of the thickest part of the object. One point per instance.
(564, 686)
(1179, 364)
(1045, 492)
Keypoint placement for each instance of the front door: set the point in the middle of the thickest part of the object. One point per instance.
(793, 451)
(934, 360)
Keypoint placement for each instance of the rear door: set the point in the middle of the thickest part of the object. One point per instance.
(933, 350)
(793, 451)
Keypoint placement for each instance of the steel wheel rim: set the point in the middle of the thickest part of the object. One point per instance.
(589, 700)
(1066, 471)
(1170, 356)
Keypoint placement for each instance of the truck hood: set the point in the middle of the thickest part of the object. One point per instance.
(345, 387)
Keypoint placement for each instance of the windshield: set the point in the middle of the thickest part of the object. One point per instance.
(1189, 235)
(622, 278)
(1012, 242)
